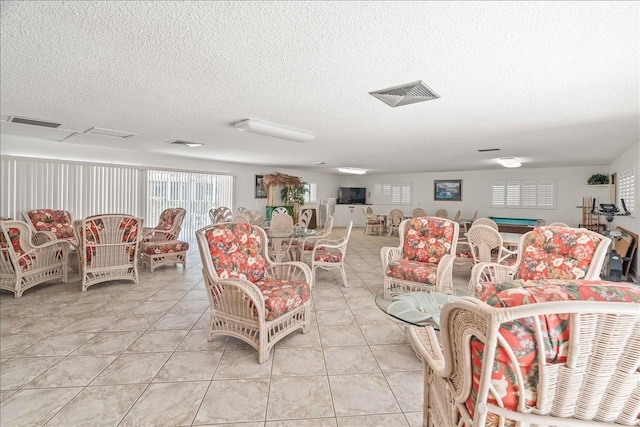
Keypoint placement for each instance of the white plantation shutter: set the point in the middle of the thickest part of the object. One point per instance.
(524, 194)
(393, 193)
(311, 196)
(627, 189)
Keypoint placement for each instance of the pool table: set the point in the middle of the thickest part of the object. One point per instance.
(516, 225)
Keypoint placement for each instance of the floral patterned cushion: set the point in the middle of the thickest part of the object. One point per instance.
(327, 255)
(519, 334)
(557, 253)
(282, 296)
(54, 220)
(236, 251)
(412, 271)
(164, 247)
(463, 251)
(427, 239)
(14, 236)
(168, 218)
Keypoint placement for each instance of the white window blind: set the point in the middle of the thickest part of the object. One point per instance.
(627, 188)
(312, 195)
(393, 193)
(529, 194)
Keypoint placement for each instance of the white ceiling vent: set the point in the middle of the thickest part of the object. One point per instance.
(110, 132)
(409, 93)
(186, 143)
(33, 122)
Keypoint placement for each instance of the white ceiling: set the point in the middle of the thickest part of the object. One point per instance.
(551, 83)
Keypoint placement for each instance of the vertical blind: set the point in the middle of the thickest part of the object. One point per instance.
(88, 189)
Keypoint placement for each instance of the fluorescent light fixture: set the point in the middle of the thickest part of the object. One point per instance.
(274, 130)
(186, 143)
(509, 162)
(352, 171)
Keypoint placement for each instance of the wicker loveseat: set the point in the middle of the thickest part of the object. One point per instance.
(544, 353)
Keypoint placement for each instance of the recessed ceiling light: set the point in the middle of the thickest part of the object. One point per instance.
(318, 163)
(110, 132)
(354, 171)
(509, 162)
(187, 143)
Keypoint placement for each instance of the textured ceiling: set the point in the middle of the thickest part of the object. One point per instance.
(552, 83)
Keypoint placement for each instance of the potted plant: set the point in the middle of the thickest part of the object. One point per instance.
(293, 195)
(598, 178)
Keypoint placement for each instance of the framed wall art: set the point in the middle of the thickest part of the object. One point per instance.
(261, 193)
(447, 190)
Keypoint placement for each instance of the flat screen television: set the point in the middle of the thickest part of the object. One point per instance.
(352, 195)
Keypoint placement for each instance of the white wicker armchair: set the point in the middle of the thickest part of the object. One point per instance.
(108, 248)
(330, 254)
(549, 253)
(424, 258)
(486, 245)
(252, 298)
(220, 214)
(168, 227)
(23, 263)
(570, 359)
(305, 247)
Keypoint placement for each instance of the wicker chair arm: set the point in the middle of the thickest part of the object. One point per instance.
(157, 234)
(490, 272)
(44, 255)
(444, 274)
(389, 255)
(251, 291)
(333, 244)
(425, 341)
(40, 237)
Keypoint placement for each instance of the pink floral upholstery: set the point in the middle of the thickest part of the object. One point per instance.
(168, 227)
(14, 236)
(94, 227)
(54, 220)
(165, 247)
(519, 334)
(327, 255)
(557, 253)
(236, 252)
(463, 251)
(167, 218)
(426, 241)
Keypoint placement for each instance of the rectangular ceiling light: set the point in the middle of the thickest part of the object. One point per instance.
(110, 132)
(276, 131)
(353, 171)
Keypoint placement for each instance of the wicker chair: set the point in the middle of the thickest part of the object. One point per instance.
(549, 253)
(306, 246)
(487, 246)
(442, 213)
(168, 228)
(108, 248)
(394, 219)
(485, 221)
(252, 298)
(372, 222)
(423, 260)
(305, 218)
(418, 212)
(555, 354)
(282, 221)
(24, 264)
(221, 214)
(330, 254)
(56, 221)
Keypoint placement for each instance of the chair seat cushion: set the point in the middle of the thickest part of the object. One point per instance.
(413, 271)
(520, 337)
(282, 296)
(327, 255)
(165, 247)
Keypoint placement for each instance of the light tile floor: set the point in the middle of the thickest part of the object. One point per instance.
(124, 354)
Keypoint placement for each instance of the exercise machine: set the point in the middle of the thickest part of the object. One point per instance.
(609, 211)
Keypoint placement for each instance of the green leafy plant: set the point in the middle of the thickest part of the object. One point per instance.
(294, 196)
(598, 178)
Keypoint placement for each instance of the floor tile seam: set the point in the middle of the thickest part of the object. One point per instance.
(56, 413)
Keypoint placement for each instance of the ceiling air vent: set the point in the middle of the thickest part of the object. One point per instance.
(33, 122)
(186, 143)
(405, 94)
(484, 150)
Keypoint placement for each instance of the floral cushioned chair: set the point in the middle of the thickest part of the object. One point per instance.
(252, 298)
(56, 221)
(108, 248)
(549, 253)
(330, 254)
(559, 352)
(24, 264)
(424, 258)
(160, 245)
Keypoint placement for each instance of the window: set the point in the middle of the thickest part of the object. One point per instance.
(528, 194)
(311, 195)
(393, 193)
(627, 188)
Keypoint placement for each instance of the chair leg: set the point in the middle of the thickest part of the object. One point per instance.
(344, 277)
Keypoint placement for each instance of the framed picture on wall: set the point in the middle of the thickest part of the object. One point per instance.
(447, 190)
(261, 193)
